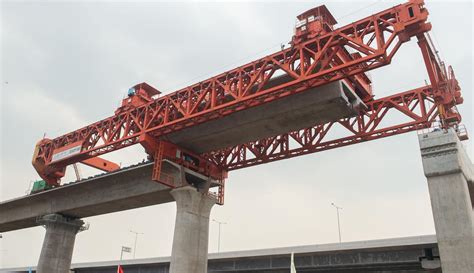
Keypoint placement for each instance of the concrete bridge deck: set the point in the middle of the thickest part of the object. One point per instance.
(125, 189)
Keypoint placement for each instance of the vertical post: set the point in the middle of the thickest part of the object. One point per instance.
(219, 238)
(449, 172)
(191, 232)
(433, 67)
(58, 244)
(339, 225)
(135, 244)
(338, 222)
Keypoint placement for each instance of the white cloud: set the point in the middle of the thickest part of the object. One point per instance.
(44, 111)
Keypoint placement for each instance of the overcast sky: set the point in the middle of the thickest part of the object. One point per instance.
(65, 65)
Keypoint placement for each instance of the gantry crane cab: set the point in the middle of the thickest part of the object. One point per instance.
(313, 23)
(137, 96)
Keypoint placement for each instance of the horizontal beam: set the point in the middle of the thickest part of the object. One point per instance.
(101, 164)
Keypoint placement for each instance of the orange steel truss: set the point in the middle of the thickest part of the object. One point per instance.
(319, 54)
(418, 106)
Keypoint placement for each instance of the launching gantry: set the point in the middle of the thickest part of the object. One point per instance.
(279, 106)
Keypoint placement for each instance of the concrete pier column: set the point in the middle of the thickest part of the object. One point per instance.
(450, 181)
(58, 243)
(191, 232)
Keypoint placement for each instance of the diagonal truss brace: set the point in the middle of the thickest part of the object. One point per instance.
(416, 107)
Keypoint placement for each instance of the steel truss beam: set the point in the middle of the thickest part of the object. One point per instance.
(409, 111)
(341, 54)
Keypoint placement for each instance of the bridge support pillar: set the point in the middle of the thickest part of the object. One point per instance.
(58, 243)
(191, 232)
(450, 181)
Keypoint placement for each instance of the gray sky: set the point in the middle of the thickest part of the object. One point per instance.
(69, 64)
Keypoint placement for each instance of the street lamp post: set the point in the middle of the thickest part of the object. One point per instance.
(219, 238)
(338, 222)
(136, 238)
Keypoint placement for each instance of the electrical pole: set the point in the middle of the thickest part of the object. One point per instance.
(338, 222)
(219, 238)
(136, 238)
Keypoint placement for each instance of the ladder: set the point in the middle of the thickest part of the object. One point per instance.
(158, 162)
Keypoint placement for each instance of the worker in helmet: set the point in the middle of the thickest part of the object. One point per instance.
(131, 92)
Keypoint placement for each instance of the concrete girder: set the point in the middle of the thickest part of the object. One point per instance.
(122, 190)
(318, 105)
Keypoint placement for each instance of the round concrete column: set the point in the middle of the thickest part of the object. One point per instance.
(191, 232)
(58, 243)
